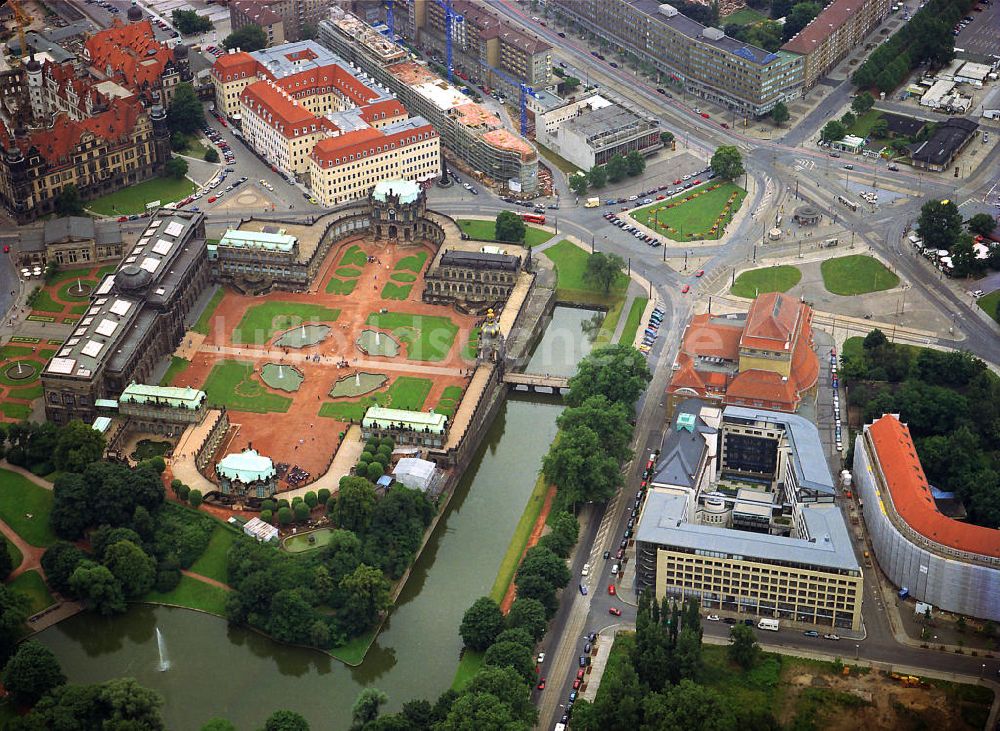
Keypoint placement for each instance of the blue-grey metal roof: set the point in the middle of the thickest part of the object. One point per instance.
(811, 467)
(828, 545)
(681, 449)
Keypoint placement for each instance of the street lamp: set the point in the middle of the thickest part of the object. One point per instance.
(857, 652)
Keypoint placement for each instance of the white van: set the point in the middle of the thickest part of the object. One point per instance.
(614, 569)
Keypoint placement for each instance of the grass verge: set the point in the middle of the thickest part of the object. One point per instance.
(856, 274)
(134, 198)
(193, 594)
(21, 498)
(212, 563)
(571, 263)
(633, 321)
(486, 231)
(205, 319)
(990, 304)
(177, 366)
(32, 585)
(766, 279)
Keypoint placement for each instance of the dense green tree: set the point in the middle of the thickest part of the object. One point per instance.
(963, 257)
(743, 647)
(106, 536)
(727, 162)
(301, 511)
(284, 516)
(598, 176)
(517, 635)
(6, 562)
(218, 724)
(366, 595)
(529, 615)
(832, 131)
(610, 421)
(366, 707)
(505, 684)
(189, 22)
(617, 168)
(98, 587)
(185, 113)
(68, 201)
(799, 17)
(604, 270)
(570, 83)
(176, 168)
(666, 137)
(286, 721)
(134, 569)
(291, 616)
(779, 113)
(323, 495)
(354, 505)
(539, 561)
(511, 654)
(982, 224)
(635, 163)
(396, 530)
(618, 372)
(32, 672)
(862, 102)
(580, 469)
(535, 587)
(509, 227)
(579, 184)
(481, 624)
(688, 706)
(78, 445)
(59, 562)
(475, 711)
(848, 119)
(248, 38)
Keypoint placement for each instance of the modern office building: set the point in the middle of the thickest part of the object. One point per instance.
(952, 565)
(485, 46)
(591, 131)
(840, 27)
(763, 358)
(740, 515)
(135, 317)
(704, 61)
(469, 131)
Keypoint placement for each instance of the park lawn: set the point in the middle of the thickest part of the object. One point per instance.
(177, 366)
(261, 322)
(486, 231)
(212, 563)
(16, 557)
(13, 382)
(471, 349)
(353, 651)
(571, 262)
(863, 123)
(43, 302)
(205, 319)
(744, 16)
(194, 148)
(230, 384)
(78, 309)
(134, 198)
(28, 392)
(856, 274)
(20, 498)
(340, 286)
(403, 277)
(355, 257)
(990, 304)
(32, 585)
(193, 594)
(15, 411)
(692, 219)
(406, 392)
(14, 351)
(633, 321)
(347, 272)
(396, 291)
(468, 666)
(766, 279)
(413, 263)
(448, 403)
(427, 337)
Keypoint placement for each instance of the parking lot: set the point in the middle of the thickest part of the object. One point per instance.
(980, 36)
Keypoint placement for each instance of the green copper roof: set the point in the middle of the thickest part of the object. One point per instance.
(237, 239)
(182, 398)
(417, 420)
(246, 466)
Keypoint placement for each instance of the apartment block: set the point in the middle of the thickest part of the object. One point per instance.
(841, 27)
(282, 20)
(704, 61)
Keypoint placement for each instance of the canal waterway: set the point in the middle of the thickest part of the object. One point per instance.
(214, 670)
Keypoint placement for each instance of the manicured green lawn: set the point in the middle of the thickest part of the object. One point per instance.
(633, 321)
(355, 257)
(863, 123)
(692, 214)
(412, 263)
(261, 322)
(347, 272)
(856, 274)
(744, 16)
(571, 263)
(449, 401)
(205, 319)
(396, 291)
(66, 292)
(486, 231)
(15, 554)
(134, 198)
(43, 302)
(403, 277)
(19, 498)
(14, 351)
(406, 392)
(230, 384)
(990, 304)
(471, 348)
(427, 337)
(468, 666)
(766, 279)
(32, 585)
(194, 148)
(340, 286)
(30, 392)
(353, 652)
(193, 594)
(14, 383)
(15, 410)
(66, 274)
(610, 322)
(177, 366)
(212, 563)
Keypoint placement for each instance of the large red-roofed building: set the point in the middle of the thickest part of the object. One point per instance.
(948, 563)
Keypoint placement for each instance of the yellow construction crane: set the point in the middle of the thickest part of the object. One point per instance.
(23, 20)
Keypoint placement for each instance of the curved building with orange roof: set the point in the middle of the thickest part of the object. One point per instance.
(945, 562)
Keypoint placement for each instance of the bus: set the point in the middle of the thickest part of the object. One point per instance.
(533, 218)
(847, 202)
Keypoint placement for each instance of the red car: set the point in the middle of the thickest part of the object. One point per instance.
(541, 684)
(705, 115)
(700, 273)
(122, 218)
(615, 611)
(6, 248)
(678, 181)
(223, 122)
(213, 199)
(579, 674)
(611, 589)
(684, 290)
(697, 182)
(576, 684)
(660, 197)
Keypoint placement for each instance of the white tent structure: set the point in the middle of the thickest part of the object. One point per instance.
(417, 474)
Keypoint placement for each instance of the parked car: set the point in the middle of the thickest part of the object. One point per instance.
(712, 617)
(811, 633)
(831, 636)
(541, 684)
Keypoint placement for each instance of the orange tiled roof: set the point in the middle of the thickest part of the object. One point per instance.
(280, 111)
(712, 339)
(65, 78)
(772, 321)
(388, 108)
(130, 54)
(755, 385)
(686, 377)
(332, 151)
(911, 494)
(234, 65)
(56, 145)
